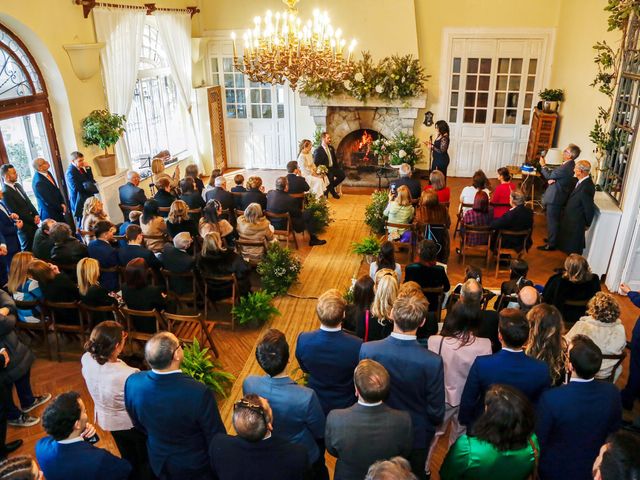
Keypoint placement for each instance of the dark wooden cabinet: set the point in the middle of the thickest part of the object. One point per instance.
(543, 129)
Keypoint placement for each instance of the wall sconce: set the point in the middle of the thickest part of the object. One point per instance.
(428, 119)
(85, 58)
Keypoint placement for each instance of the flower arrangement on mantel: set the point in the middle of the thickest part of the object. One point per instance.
(392, 78)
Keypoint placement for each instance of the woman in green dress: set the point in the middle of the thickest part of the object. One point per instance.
(501, 445)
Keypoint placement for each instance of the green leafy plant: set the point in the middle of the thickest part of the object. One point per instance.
(402, 77)
(279, 269)
(317, 137)
(367, 246)
(319, 213)
(299, 376)
(102, 128)
(348, 295)
(374, 212)
(404, 148)
(257, 308)
(552, 94)
(198, 364)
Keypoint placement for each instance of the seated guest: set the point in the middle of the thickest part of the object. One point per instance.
(23, 287)
(238, 181)
(42, 242)
(618, 458)
(528, 297)
(574, 283)
(427, 273)
(458, 346)
(471, 294)
(396, 468)
(226, 199)
(152, 224)
(500, 196)
(216, 260)
(350, 432)
(67, 249)
(378, 324)
(386, 259)
(163, 196)
(479, 183)
(546, 342)
(279, 201)
(190, 195)
(510, 366)
(329, 355)
(255, 194)
(134, 219)
(21, 467)
(299, 415)
(102, 250)
(158, 170)
(409, 362)
(179, 220)
(356, 313)
(501, 445)
(176, 259)
(192, 172)
(215, 173)
(92, 293)
(55, 286)
(295, 181)
(139, 294)
(67, 454)
(437, 221)
(518, 218)
(574, 420)
(603, 325)
(212, 222)
(134, 249)
(178, 444)
(517, 280)
(92, 213)
(253, 226)
(437, 182)
(130, 193)
(480, 215)
(631, 391)
(105, 375)
(405, 178)
(254, 452)
(399, 210)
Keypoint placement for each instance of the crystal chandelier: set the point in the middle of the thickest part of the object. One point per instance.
(282, 48)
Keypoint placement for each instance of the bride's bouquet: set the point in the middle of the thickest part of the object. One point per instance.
(322, 169)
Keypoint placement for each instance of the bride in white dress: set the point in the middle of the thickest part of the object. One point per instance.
(317, 183)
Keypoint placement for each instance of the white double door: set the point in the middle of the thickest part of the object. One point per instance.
(490, 87)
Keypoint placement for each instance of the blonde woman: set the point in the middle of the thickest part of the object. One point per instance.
(92, 213)
(22, 287)
(179, 219)
(153, 224)
(91, 293)
(318, 183)
(157, 169)
(378, 325)
(399, 210)
(253, 226)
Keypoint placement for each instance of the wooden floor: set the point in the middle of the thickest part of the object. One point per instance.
(324, 267)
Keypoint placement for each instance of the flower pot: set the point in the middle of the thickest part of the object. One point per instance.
(106, 164)
(549, 106)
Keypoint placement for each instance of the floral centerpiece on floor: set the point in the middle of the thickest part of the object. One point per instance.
(373, 215)
(279, 269)
(404, 148)
(320, 214)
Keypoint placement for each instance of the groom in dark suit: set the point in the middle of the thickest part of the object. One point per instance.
(18, 202)
(579, 211)
(325, 155)
(48, 195)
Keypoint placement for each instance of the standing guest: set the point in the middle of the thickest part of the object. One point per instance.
(67, 453)
(458, 346)
(138, 294)
(510, 366)
(378, 324)
(631, 391)
(437, 221)
(559, 186)
(24, 288)
(326, 155)
(190, 195)
(18, 202)
(163, 197)
(500, 196)
(574, 420)
(330, 355)
(574, 283)
(603, 325)
(255, 452)
(295, 180)
(427, 273)
(176, 259)
(396, 468)
(255, 194)
(413, 184)
(356, 313)
(226, 199)
(253, 226)
(618, 458)
(179, 220)
(546, 342)
(479, 182)
(152, 224)
(134, 249)
(297, 408)
(238, 181)
(217, 260)
(386, 259)
(105, 375)
(410, 364)
(92, 213)
(92, 293)
(48, 195)
(178, 445)
(318, 183)
(480, 215)
(10, 225)
(501, 446)
(42, 242)
(518, 218)
(440, 148)
(102, 250)
(67, 249)
(21, 467)
(158, 170)
(211, 221)
(80, 183)
(437, 182)
(130, 193)
(192, 172)
(399, 210)
(579, 211)
(349, 432)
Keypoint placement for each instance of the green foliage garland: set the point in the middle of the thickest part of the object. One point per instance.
(320, 215)
(102, 128)
(199, 365)
(257, 307)
(279, 269)
(373, 215)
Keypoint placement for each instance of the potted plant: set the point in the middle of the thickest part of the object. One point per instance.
(198, 364)
(368, 246)
(318, 212)
(104, 129)
(278, 270)
(374, 212)
(550, 99)
(255, 308)
(404, 148)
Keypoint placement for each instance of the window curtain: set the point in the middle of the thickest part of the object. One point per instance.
(121, 30)
(175, 32)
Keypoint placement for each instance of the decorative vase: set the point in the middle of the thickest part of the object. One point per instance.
(106, 164)
(549, 106)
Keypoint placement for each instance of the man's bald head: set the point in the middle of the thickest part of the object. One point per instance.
(160, 350)
(252, 417)
(471, 291)
(528, 297)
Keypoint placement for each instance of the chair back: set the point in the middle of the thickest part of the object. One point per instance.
(241, 246)
(188, 327)
(95, 315)
(59, 313)
(277, 219)
(184, 296)
(411, 244)
(215, 282)
(481, 236)
(142, 324)
(41, 327)
(438, 293)
(517, 252)
(127, 209)
(619, 359)
(459, 217)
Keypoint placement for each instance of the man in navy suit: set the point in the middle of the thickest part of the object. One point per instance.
(134, 249)
(179, 414)
(296, 182)
(519, 217)
(574, 420)
(579, 211)
(130, 193)
(413, 184)
(417, 376)
(325, 155)
(48, 195)
(176, 259)
(80, 183)
(510, 366)
(330, 355)
(10, 224)
(67, 454)
(102, 250)
(227, 200)
(18, 202)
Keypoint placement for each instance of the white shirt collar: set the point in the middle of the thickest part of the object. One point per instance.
(71, 440)
(582, 180)
(365, 404)
(403, 336)
(11, 184)
(165, 373)
(330, 329)
(512, 350)
(581, 380)
(267, 435)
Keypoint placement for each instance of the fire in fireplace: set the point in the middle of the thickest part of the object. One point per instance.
(355, 148)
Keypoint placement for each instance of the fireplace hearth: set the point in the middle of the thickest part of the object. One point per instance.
(354, 150)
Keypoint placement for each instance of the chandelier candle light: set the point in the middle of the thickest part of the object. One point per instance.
(281, 48)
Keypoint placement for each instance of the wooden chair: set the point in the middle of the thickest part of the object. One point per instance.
(183, 299)
(301, 197)
(436, 291)
(514, 253)
(132, 315)
(619, 359)
(279, 232)
(222, 280)
(481, 250)
(164, 211)
(42, 327)
(95, 315)
(127, 209)
(459, 216)
(69, 269)
(240, 244)
(56, 311)
(188, 327)
(504, 300)
(397, 244)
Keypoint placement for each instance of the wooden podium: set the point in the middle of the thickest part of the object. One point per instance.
(543, 129)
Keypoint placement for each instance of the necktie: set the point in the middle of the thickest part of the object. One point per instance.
(50, 178)
(326, 149)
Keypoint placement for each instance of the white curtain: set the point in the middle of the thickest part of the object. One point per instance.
(121, 30)
(175, 32)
